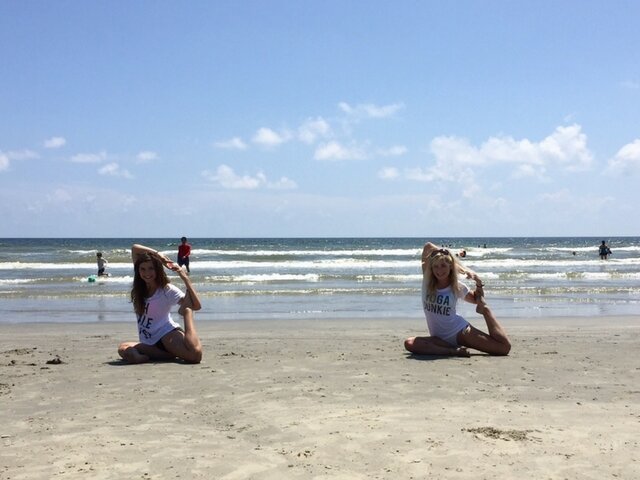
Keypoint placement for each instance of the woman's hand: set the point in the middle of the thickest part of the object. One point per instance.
(166, 261)
(182, 273)
(475, 277)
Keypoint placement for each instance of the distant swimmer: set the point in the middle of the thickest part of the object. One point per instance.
(462, 253)
(102, 265)
(604, 250)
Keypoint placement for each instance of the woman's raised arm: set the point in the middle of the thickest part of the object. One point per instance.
(139, 250)
(191, 299)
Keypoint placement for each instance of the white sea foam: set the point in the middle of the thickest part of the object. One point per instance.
(412, 278)
(60, 266)
(482, 252)
(347, 263)
(584, 275)
(400, 252)
(18, 281)
(337, 263)
(513, 263)
(271, 277)
(111, 279)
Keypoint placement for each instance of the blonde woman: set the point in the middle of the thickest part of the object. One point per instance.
(450, 333)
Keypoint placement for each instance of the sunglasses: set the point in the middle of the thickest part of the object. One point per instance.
(440, 251)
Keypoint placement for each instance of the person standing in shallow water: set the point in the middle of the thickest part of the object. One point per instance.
(153, 296)
(450, 333)
(604, 251)
(102, 265)
(184, 251)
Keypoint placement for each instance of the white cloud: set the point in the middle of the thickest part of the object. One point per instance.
(626, 161)
(283, 184)
(562, 197)
(313, 129)
(529, 171)
(59, 195)
(394, 151)
(55, 142)
(89, 157)
(369, 110)
(420, 175)
(146, 156)
(227, 178)
(269, 138)
(334, 151)
(566, 146)
(457, 160)
(234, 143)
(7, 157)
(467, 180)
(22, 155)
(114, 170)
(388, 173)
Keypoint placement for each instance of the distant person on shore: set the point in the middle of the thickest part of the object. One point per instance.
(184, 251)
(450, 333)
(153, 296)
(604, 251)
(102, 265)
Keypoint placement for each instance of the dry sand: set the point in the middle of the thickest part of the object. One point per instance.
(322, 399)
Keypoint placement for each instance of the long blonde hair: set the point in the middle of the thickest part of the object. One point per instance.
(436, 256)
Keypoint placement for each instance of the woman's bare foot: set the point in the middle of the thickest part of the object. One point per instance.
(461, 352)
(132, 355)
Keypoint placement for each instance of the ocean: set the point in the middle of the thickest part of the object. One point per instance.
(47, 280)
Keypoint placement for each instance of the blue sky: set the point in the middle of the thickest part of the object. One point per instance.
(319, 118)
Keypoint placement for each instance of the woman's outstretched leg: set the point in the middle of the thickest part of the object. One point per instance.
(191, 338)
(496, 342)
(433, 346)
(496, 331)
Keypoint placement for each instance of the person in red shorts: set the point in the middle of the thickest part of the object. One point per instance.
(184, 250)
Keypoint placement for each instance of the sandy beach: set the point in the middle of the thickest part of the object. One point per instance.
(331, 399)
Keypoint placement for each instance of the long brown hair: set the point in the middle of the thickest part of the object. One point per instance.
(453, 274)
(139, 292)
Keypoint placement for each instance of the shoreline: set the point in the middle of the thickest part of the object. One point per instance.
(476, 320)
(322, 399)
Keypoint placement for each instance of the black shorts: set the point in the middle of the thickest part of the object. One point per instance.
(183, 261)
